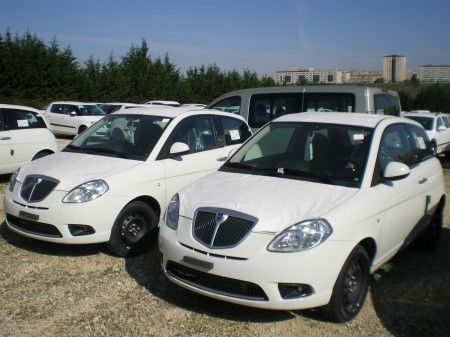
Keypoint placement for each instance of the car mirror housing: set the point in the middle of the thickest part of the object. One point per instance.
(178, 149)
(73, 114)
(396, 170)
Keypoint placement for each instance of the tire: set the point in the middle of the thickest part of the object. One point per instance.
(350, 289)
(131, 232)
(81, 129)
(429, 240)
(41, 154)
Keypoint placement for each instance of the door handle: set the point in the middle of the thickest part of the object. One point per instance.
(222, 158)
(423, 180)
(5, 138)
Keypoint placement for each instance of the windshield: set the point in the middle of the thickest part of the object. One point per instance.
(426, 122)
(90, 110)
(325, 153)
(122, 136)
(110, 108)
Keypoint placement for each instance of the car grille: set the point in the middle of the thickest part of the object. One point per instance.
(217, 284)
(36, 187)
(217, 229)
(33, 227)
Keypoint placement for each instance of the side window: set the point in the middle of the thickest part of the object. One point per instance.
(69, 108)
(23, 119)
(386, 104)
(235, 131)
(446, 121)
(229, 104)
(439, 123)
(2, 121)
(329, 102)
(265, 107)
(195, 131)
(420, 144)
(57, 108)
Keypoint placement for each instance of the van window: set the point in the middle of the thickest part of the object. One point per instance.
(265, 107)
(229, 104)
(22, 119)
(386, 104)
(341, 102)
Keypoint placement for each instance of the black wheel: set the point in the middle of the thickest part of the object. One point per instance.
(131, 232)
(41, 154)
(429, 240)
(81, 129)
(350, 289)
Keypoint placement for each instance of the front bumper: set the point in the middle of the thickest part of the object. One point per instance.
(99, 214)
(250, 262)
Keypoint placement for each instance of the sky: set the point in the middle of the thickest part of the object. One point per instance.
(259, 35)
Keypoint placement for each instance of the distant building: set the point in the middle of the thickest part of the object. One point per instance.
(310, 75)
(364, 76)
(394, 68)
(434, 73)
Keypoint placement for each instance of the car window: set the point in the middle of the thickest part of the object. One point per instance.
(420, 143)
(17, 119)
(395, 146)
(265, 107)
(57, 108)
(426, 122)
(235, 131)
(2, 121)
(439, 123)
(386, 104)
(446, 121)
(69, 108)
(197, 132)
(229, 104)
(324, 102)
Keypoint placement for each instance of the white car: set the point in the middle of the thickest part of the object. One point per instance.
(72, 118)
(302, 213)
(437, 127)
(109, 108)
(23, 137)
(106, 187)
(165, 103)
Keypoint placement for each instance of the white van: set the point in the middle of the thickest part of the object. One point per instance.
(260, 105)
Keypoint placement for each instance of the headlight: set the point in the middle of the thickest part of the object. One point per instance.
(302, 236)
(173, 212)
(13, 179)
(86, 192)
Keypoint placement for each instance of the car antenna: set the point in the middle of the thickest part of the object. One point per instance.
(303, 99)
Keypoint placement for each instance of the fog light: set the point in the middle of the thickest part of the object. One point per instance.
(292, 290)
(80, 230)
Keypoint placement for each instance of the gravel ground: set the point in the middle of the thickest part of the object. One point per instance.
(56, 290)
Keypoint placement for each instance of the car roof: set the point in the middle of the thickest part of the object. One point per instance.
(13, 106)
(172, 112)
(422, 114)
(344, 118)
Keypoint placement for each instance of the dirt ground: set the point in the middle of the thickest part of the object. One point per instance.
(58, 290)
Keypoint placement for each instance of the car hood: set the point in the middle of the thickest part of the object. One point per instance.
(73, 169)
(275, 201)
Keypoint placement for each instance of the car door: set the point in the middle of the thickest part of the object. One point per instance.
(6, 158)
(69, 121)
(440, 135)
(53, 115)
(204, 156)
(402, 199)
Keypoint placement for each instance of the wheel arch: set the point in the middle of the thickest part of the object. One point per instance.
(47, 151)
(152, 202)
(370, 245)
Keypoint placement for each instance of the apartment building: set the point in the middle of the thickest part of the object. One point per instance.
(434, 73)
(310, 75)
(394, 68)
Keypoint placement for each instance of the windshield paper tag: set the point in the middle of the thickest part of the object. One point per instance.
(234, 134)
(358, 136)
(22, 123)
(421, 143)
(165, 120)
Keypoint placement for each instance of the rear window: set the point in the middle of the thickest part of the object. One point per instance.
(386, 104)
(229, 104)
(265, 107)
(325, 102)
(426, 122)
(17, 119)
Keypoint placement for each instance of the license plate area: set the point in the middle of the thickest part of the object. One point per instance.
(28, 216)
(206, 266)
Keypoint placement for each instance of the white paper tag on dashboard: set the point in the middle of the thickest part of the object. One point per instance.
(234, 134)
(358, 136)
(22, 123)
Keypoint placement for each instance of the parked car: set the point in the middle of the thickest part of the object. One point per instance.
(302, 213)
(437, 127)
(260, 105)
(72, 118)
(165, 103)
(111, 187)
(23, 137)
(109, 108)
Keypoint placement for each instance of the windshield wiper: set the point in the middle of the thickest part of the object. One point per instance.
(71, 148)
(310, 175)
(240, 166)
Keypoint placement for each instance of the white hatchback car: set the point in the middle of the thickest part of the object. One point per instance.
(302, 213)
(72, 118)
(23, 137)
(437, 126)
(111, 183)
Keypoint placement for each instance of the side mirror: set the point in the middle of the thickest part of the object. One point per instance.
(396, 170)
(73, 114)
(233, 151)
(441, 128)
(178, 149)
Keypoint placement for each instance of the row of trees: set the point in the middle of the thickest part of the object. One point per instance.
(34, 73)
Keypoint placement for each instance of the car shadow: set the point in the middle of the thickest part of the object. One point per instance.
(411, 293)
(48, 248)
(146, 271)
